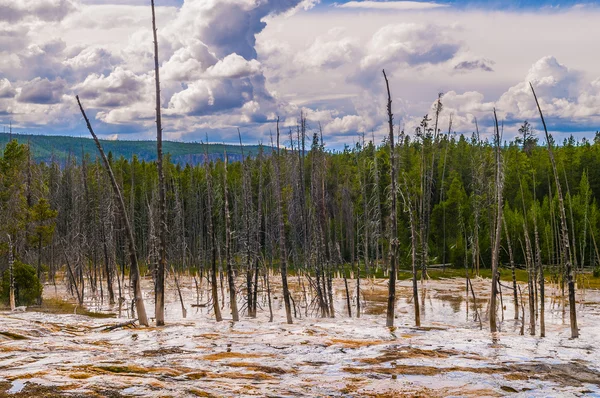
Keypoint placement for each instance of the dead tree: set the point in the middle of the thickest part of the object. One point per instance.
(281, 227)
(135, 271)
(230, 277)
(540, 267)
(408, 206)
(512, 267)
(11, 274)
(393, 216)
(566, 252)
(159, 286)
(498, 235)
(248, 232)
(213, 242)
(258, 232)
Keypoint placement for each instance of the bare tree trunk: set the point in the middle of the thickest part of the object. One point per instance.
(135, 271)
(512, 267)
(258, 243)
(540, 266)
(394, 222)
(211, 233)
(413, 243)
(159, 290)
(282, 245)
(111, 294)
(183, 310)
(498, 235)
(564, 229)
(11, 276)
(230, 277)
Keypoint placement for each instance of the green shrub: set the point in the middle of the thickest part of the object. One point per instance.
(27, 285)
(596, 272)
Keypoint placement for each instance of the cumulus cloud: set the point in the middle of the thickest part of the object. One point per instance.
(221, 68)
(120, 88)
(233, 66)
(46, 10)
(409, 43)
(6, 89)
(13, 38)
(329, 51)
(42, 91)
(211, 96)
(555, 84)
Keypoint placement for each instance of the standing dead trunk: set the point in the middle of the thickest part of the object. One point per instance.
(393, 216)
(213, 243)
(540, 267)
(135, 271)
(159, 289)
(566, 255)
(11, 274)
(281, 227)
(498, 235)
(258, 240)
(230, 277)
(512, 267)
(111, 294)
(413, 254)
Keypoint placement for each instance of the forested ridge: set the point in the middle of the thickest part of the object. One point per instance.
(48, 148)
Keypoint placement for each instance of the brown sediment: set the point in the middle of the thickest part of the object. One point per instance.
(261, 368)
(129, 370)
(235, 375)
(13, 336)
(27, 375)
(8, 348)
(228, 355)
(196, 375)
(347, 343)
(211, 336)
(425, 393)
(35, 390)
(569, 374)
(423, 370)
(162, 351)
(396, 353)
(199, 393)
(80, 376)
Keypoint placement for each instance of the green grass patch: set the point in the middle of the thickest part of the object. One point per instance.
(55, 306)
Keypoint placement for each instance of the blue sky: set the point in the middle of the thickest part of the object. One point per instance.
(243, 63)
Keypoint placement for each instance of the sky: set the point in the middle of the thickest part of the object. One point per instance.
(229, 64)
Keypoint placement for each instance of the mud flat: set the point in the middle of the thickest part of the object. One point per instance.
(47, 354)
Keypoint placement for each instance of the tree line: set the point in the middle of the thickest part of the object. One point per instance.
(318, 212)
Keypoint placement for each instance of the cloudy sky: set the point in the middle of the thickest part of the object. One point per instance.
(241, 63)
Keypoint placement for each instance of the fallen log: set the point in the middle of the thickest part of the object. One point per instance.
(120, 325)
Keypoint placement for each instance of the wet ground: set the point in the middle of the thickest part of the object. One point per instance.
(44, 354)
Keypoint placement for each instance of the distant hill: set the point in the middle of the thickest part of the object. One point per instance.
(45, 147)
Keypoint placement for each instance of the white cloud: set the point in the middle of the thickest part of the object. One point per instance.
(391, 5)
(6, 89)
(233, 66)
(45, 10)
(42, 91)
(120, 88)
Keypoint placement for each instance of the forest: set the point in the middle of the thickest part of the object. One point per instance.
(321, 219)
(430, 257)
